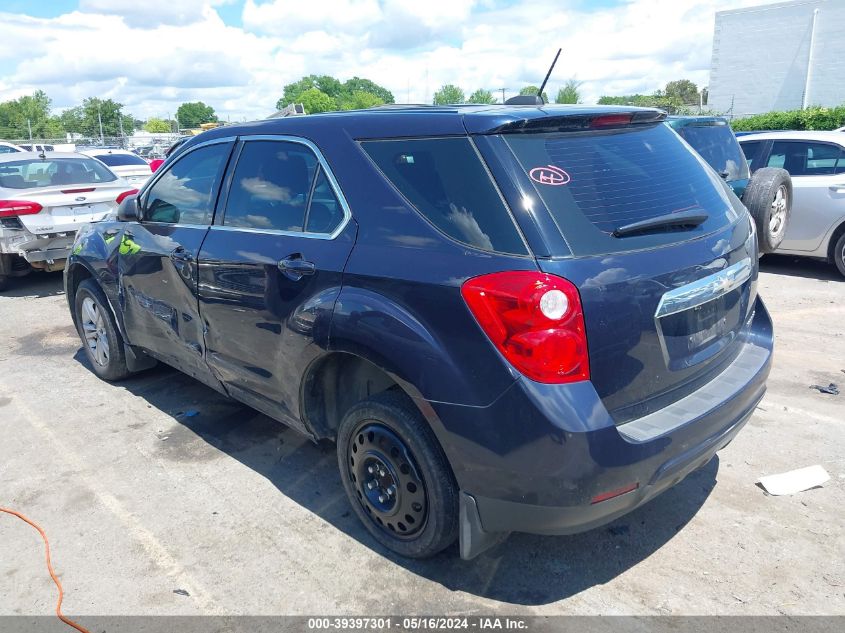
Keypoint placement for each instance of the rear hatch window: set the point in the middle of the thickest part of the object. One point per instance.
(596, 182)
(121, 160)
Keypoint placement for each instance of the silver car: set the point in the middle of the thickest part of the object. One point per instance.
(816, 162)
(45, 198)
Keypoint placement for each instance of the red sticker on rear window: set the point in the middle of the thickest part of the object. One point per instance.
(549, 175)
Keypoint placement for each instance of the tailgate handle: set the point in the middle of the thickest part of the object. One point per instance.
(705, 289)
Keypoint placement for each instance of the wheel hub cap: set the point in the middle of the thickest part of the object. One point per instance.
(387, 481)
(777, 220)
(94, 328)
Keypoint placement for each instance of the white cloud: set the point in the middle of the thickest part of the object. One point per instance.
(154, 54)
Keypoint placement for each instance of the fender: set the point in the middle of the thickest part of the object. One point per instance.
(380, 330)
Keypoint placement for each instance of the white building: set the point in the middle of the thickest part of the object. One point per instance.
(781, 56)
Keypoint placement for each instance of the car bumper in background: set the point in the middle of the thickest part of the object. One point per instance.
(552, 460)
(35, 249)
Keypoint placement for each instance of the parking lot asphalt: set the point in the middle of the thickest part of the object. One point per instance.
(160, 496)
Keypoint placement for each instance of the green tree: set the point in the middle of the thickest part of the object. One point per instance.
(359, 100)
(195, 113)
(533, 90)
(569, 93)
(448, 94)
(341, 93)
(156, 125)
(481, 96)
(32, 111)
(85, 119)
(315, 101)
(357, 84)
(682, 90)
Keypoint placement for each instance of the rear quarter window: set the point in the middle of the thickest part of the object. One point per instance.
(445, 180)
(611, 178)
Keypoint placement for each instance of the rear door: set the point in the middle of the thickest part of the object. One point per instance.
(158, 257)
(664, 306)
(271, 269)
(818, 189)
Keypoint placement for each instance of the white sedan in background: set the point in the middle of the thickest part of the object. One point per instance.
(125, 164)
(44, 200)
(816, 162)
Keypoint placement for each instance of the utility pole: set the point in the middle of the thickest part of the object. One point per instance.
(810, 56)
(29, 125)
(100, 119)
(503, 95)
(122, 137)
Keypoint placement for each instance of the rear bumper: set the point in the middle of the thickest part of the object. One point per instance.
(39, 248)
(541, 454)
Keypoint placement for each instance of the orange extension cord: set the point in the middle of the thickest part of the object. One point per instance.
(61, 617)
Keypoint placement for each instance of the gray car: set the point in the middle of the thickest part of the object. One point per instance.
(816, 162)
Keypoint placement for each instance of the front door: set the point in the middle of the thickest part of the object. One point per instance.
(270, 270)
(158, 258)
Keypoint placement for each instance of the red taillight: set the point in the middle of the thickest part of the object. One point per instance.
(85, 190)
(535, 320)
(156, 163)
(125, 195)
(10, 208)
(611, 120)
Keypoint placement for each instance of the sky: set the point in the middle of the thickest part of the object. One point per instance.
(236, 55)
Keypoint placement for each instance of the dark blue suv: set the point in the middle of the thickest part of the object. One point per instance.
(526, 319)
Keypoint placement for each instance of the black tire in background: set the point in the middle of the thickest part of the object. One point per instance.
(839, 254)
(384, 442)
(768, 199)
(94, 318)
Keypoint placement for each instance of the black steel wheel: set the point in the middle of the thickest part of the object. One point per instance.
(387, 480)
(396, 476)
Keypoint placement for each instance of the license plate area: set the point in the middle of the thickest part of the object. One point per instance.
(693, 335)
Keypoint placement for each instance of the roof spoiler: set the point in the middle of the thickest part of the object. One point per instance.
(577, 122)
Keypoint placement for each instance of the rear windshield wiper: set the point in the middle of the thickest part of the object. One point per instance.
(684, 219)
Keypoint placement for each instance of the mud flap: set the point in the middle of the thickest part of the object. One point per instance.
(472, 537)
(136, 360)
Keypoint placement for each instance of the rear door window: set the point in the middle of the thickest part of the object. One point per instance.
(802, 158)
(445, 180)
(594, 182)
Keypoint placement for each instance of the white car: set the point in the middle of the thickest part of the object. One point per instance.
(44, 200)
(9, 148)
(125, 164)
(816, 162)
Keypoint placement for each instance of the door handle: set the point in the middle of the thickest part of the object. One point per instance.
(294, 267)
(181, 256)
(837, 188)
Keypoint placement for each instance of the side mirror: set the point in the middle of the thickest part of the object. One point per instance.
(128, 210)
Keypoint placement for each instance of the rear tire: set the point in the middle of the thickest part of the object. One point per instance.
(839, 254)
(4, 281)
(101, 339)
(768, 199)
(396, 476)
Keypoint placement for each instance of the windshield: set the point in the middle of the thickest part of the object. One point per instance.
(120, 160)
(28, 174)
(596, 182)
(718, 146)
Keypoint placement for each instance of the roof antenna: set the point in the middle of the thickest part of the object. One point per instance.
(535, 100)
(548, 74)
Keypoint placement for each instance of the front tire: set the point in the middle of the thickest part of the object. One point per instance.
(101, 339)
(768, 199)
(396, 476)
